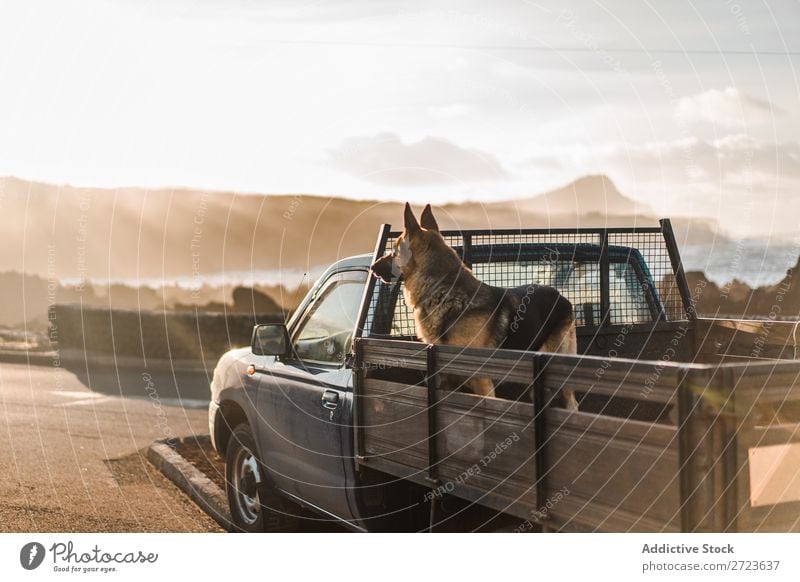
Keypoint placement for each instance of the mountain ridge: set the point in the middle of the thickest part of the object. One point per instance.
(67, 232)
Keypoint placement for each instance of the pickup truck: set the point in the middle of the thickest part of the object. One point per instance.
(685, 423)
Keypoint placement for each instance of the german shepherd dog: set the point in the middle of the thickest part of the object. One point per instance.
(452, 307)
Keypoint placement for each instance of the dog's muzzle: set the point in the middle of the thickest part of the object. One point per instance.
(386, 269)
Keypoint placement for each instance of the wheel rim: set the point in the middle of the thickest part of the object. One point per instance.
(245, 479)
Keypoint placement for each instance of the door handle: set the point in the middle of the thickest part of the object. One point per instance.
(330, 399)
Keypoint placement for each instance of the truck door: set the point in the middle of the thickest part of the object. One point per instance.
(304, 401)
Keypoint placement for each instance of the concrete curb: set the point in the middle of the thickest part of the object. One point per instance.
(197, 486)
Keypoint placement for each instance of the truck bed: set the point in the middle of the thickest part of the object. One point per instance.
(697, 464)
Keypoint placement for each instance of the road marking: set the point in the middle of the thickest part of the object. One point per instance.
(84, 398)
(77, 394)
(86, 401)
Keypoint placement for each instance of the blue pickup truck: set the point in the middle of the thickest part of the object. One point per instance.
(340, 412)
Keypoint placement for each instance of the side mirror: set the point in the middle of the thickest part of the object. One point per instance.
(270, 339)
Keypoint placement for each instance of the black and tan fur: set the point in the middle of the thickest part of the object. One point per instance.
(452, 307)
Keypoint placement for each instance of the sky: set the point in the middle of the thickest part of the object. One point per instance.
(690, 107)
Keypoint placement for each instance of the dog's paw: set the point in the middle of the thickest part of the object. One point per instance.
(570, 402)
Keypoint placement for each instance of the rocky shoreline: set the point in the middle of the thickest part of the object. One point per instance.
(737, 299)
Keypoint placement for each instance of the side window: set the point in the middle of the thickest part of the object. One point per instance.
(579, 281)
(325, 332)
(628, 295)
(581, 285)
(515, 273)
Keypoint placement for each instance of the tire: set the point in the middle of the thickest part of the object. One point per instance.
(242, 476)
(254, 505)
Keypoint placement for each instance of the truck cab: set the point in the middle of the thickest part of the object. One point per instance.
(300, 403)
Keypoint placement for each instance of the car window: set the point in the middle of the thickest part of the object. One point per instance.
(628, 296)
(578, 281)
(325, 333)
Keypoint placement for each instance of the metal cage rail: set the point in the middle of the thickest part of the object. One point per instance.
(611, 275)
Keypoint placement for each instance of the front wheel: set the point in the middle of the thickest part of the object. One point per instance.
(255, 506)
(243, 481)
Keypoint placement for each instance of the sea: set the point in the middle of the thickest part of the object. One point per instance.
(754, 262)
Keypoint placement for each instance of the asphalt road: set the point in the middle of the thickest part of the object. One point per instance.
(72, 458)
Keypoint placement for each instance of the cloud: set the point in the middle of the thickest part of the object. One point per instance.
(727, 107)
(450, 111)
(738, 163)
(385, 159)
(734, 159)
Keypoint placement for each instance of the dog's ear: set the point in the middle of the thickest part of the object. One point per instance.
(426, 219)
(409, 220)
